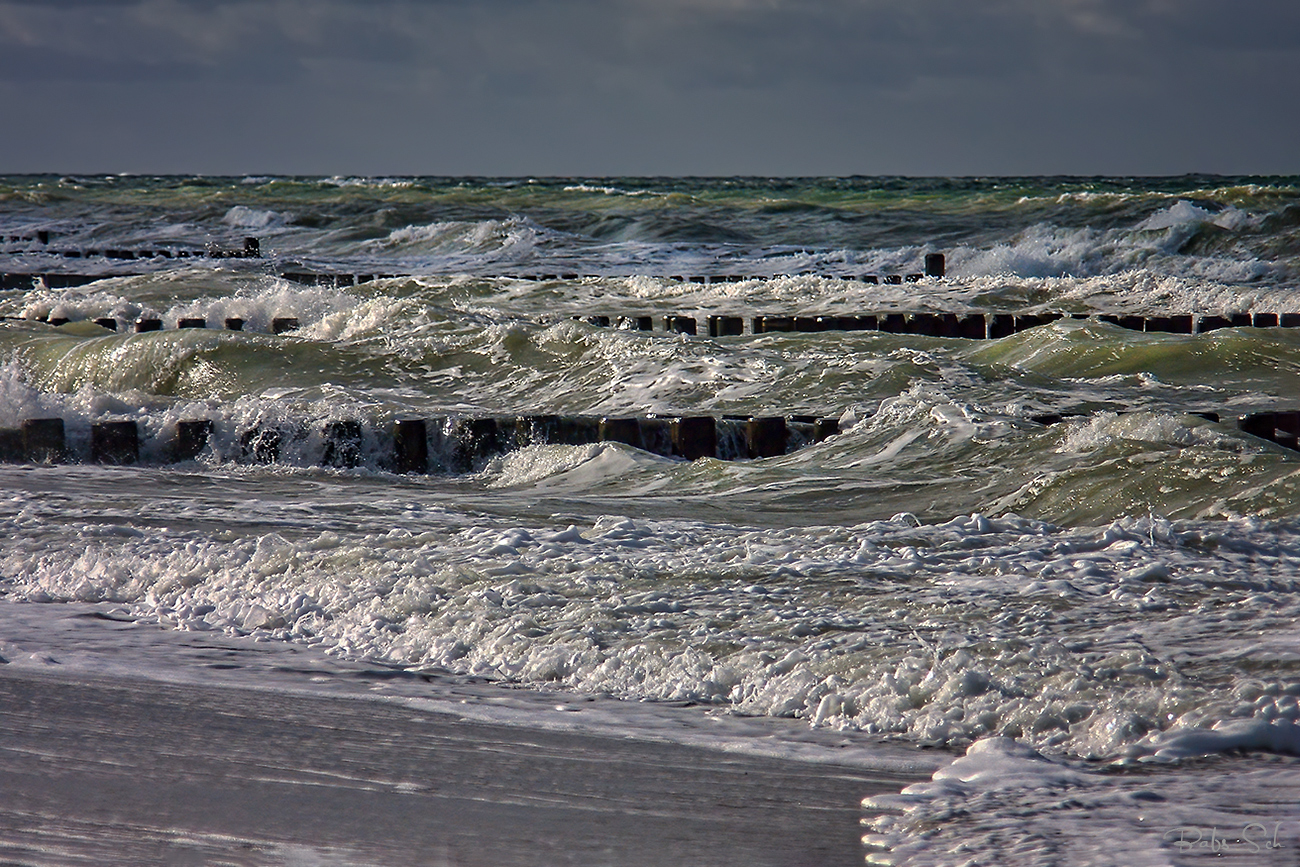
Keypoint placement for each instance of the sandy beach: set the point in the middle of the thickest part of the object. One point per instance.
(126, 769)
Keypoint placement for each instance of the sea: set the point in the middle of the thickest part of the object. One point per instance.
(1050, 563)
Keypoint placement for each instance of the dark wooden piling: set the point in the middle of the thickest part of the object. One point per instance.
(923, 324)
(824, 428)
(1001, 325)
(726, 326)
(11, 446)
(115, 442)
(1133, 323)
(1286, 429)
(191, 438)
(411, 445)
(261, 445)
(1206, 324)
(1025, 321)
(973, 326)
(44, 441)
(694, 437)
(1157, 324)
(893, 323)
(765, 437)
(679, 324)
(773, 324)
(636, 323)
(557, 429)
(343, 438)
(475, 439)
(657, 435)
(1259, 424)
(808, 324)
(621, 430)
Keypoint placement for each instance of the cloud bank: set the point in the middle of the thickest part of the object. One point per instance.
(580, 87)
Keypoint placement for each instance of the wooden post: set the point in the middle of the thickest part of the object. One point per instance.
(695, 437)
(765, 437)
(191, 438)
(411, 445)
(342, 444)
(43, 440)
(115, 442)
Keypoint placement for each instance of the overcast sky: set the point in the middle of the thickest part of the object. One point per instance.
(609, 87)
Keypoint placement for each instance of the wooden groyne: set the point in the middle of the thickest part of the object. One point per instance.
(971, 326)
(975, 326)
(459, 444)
(1281, 427)
(416, 445)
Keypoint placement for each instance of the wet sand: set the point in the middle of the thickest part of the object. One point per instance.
(118, 769)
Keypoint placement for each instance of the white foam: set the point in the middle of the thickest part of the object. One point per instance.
(322, 313)
(1101, 430)
(244, 217)
(1003, 803)
(1154, 245)
(480, 238)
(1277, 730)
(375, 183)
(612, 191)
(20, 401)
(1183, 214)
(777, 622)
(546, 468)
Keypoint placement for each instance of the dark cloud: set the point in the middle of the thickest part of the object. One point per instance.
(674, 86)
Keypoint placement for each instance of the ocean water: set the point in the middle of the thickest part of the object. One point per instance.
(1097, 620)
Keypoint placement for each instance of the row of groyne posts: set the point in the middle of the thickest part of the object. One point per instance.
(974, 326)
(461, 443)
(970, 325)
(420, 445)
(251, 249)
(279, 325)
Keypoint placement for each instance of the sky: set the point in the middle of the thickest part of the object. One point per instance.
(650, 87)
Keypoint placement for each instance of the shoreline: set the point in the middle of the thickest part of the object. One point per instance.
(110, 765)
